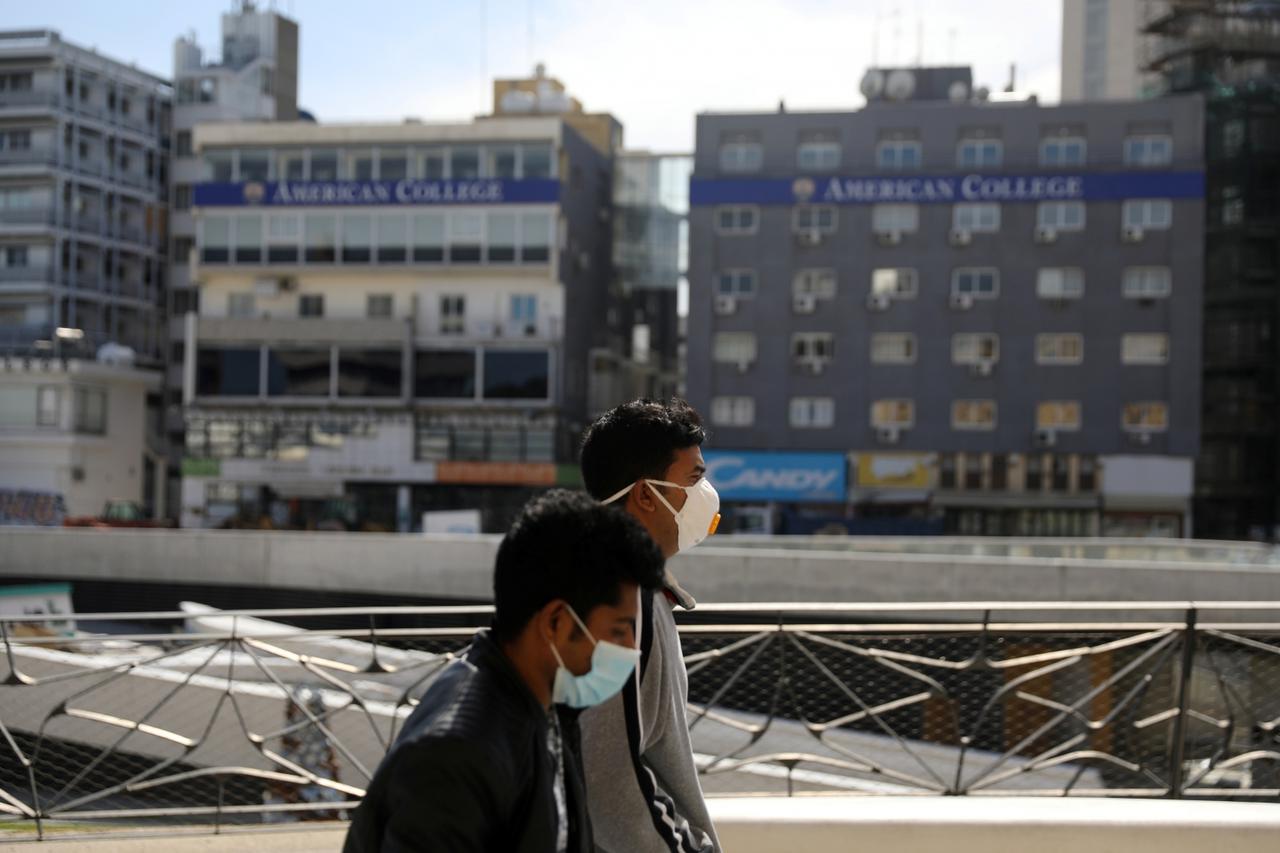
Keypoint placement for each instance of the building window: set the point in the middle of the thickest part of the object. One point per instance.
(182, 196)
(898, 154)
(466, 236)
(392, 238)
(255, 164)
(215, 239)
(1145, 348)
(48, 406)
(900, 414)
(1148, 150)
(976, 282)
(1063, 151)
(535, 238)
(947, 471)
(979, 153)
(90, 410)
(816, 283)
(517, 374)
(812, 412)
(248, 238)
(283, 233)
(814, 219)
(975, 348)
(524, 313)
(894, 282)
(321, 231)
(324, 164)
(818, 151)
(428, 238)
(893, 348)
(734, 348)
(393, 165)
(895, 218)
(16, 257)
(301, 372)
(453, 315)
(1060, 283)
(812, 349)
(501, 238)
(973, 414)
(182, 247)
(1147, 283)
(369, 372)
(741, 153)
(357, 238)
(737, 219)
(737, 283)
(379, 305)
(1034, 478)
(311, 305)
(1059, 348)
(1148, 214)
(1086, 474)
(219, 166)
(290, 166)
(1058, 415)
(980, 217)
(242, 305)
(445, 374)
(1060, 215)
(536, 160)
(733, 411)
(464, 162)
(1145, 417)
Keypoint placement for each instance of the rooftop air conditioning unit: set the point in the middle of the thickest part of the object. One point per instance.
(726, 304)
(1045, 438)
(888, 238)
(1143, 438)
(879, 302)
(961, 301)
(961, 237)
(1131, 234)
(808, 238)
(804, 304)
(984, 367)
(1045, 234)
(888, 435)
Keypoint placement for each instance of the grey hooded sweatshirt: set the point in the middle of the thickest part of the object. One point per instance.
(642, 785)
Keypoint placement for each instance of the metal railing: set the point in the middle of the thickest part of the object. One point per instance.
(261, 716)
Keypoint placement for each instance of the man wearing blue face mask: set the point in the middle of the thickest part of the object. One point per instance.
(642, 782)
(489, 760)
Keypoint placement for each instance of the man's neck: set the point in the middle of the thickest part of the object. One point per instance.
(530, 669)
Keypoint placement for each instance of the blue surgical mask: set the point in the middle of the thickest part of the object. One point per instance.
(611, 666)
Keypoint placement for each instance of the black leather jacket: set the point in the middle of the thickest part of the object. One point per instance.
(470, 770)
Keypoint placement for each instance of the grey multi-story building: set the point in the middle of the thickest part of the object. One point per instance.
(990, 309)
(83, 196)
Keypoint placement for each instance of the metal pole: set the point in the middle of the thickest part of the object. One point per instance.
(1180, 721)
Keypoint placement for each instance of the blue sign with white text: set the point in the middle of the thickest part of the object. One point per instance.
(947, 189)
(408, 191)
(761, 476)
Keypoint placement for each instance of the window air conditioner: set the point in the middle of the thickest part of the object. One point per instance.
(1143, 438)
(984, 367)
(1045, 438)
(961, 301)
(1046, 235)
(1131, 234)
(888, 238)
(808, 238)
(726, 304)
(879, 302)
(804, 304)
(960, 237)
(888, 435)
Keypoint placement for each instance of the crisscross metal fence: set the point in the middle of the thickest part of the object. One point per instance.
(266, 716)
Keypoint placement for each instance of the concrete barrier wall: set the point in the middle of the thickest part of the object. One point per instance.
(444, 566)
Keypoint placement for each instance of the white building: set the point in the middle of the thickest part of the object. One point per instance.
(1102, 53)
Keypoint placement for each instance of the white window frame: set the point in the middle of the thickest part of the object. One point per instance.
(738, 210)
(1149, 214)
(967, 348)
(883, 346)
(897, 403)
(958, 406)
(390, 303)
(1061, 404)
(815, 282)
(1152, 405)
(960, 272)
(1144, 348)
(1060, 283)
(895, 282)
(744, 346)
(980, 143)
(1056, 340)
(898, 146)
(1054, 214)
(811, 342)
(888, 218)
(814, 214)
(739, 277)
(825, 154)
(741, 156)
(976, 217)
(452, 322)
(733, 411)
(1135, 281)
(242, 304)
(1061, 142)
(1143, 156)
(811, 413)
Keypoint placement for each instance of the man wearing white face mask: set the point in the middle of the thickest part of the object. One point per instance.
(489, 760)
(642, 783)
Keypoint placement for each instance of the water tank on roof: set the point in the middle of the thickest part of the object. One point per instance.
(116, 354)
(553, 102)
(516, 101)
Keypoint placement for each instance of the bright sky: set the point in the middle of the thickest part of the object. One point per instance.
(654, 64)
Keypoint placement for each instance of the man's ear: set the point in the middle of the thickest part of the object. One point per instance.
(641, 496)
(554, 621)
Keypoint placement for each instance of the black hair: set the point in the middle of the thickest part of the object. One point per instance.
(566, 545)
(636, 441)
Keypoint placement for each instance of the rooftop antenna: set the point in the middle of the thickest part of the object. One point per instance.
(919, 37)
(529, 20)
(875, 38)
(951, 46)
(1013, 76)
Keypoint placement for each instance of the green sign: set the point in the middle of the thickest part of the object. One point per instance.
(194, 466)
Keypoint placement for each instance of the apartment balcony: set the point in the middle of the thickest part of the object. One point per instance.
(815, 726)
(28, 157)
(300, 330)
(25, 279)
(29, 98)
